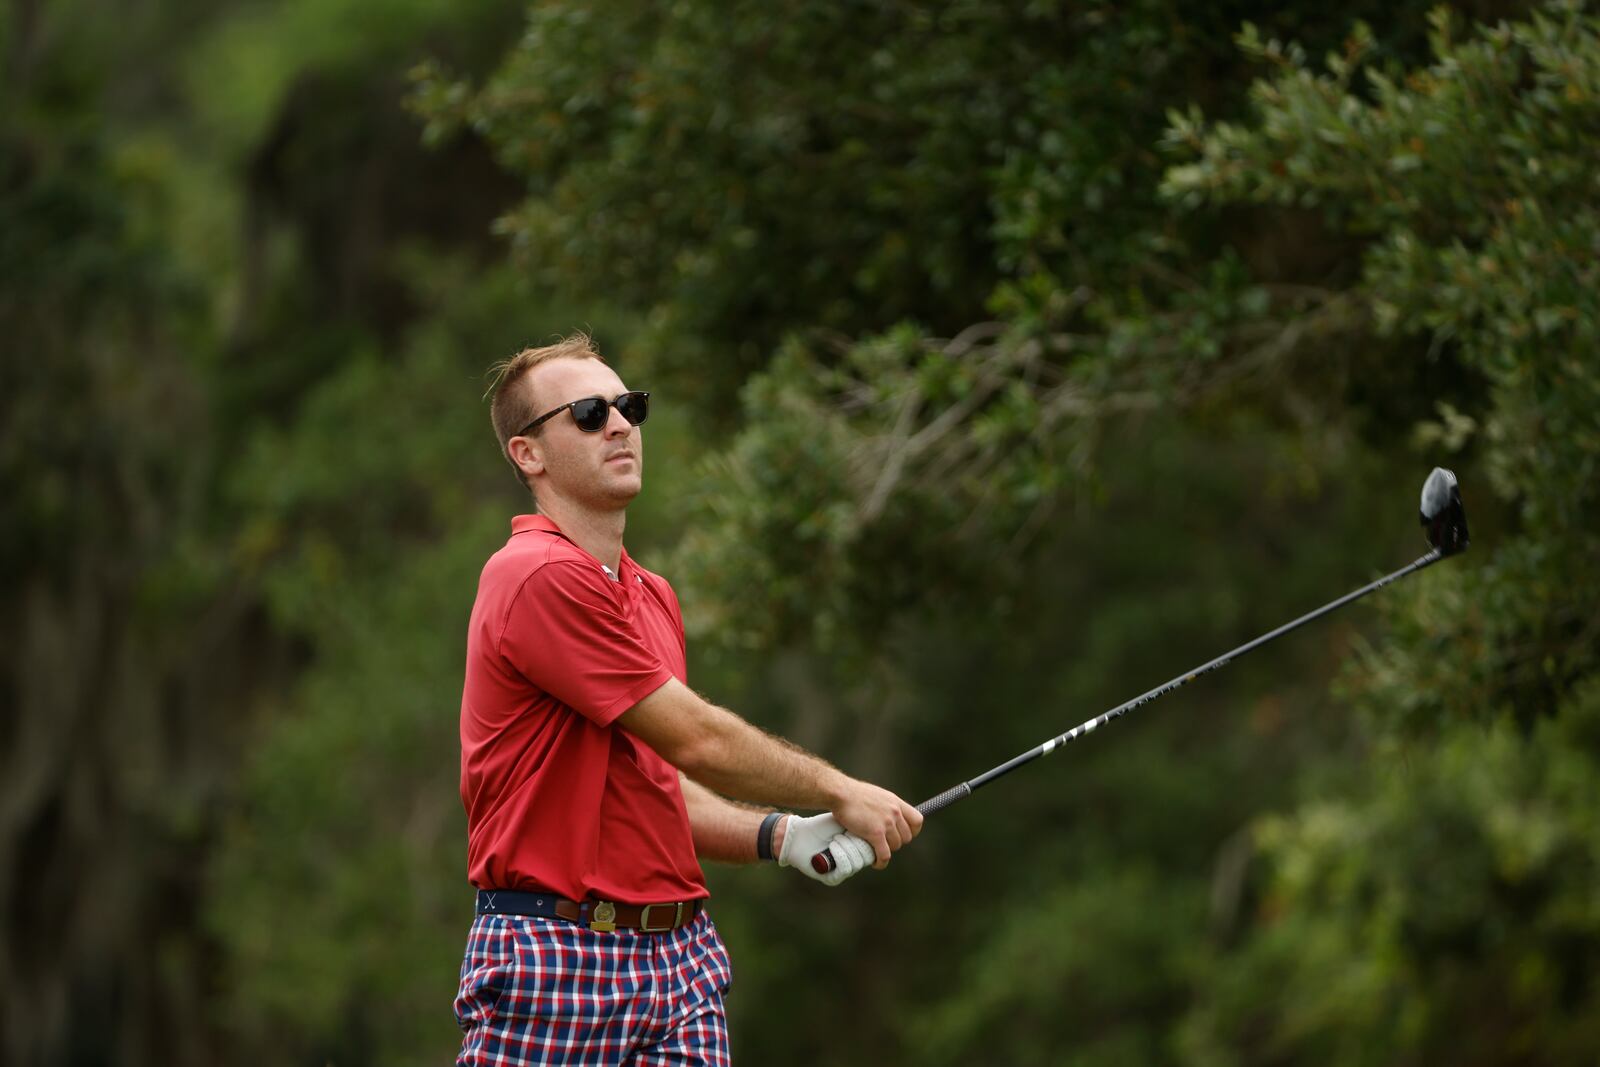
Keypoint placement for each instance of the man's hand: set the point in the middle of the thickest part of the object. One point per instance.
(804, 838)
(878, 817)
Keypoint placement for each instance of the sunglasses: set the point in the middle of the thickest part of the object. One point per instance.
(592, 412)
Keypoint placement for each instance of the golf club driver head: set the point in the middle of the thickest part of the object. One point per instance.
(1442, 514)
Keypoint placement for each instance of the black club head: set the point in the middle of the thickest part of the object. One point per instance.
(1442, 515)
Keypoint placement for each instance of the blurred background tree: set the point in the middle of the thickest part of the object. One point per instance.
(1011, 359)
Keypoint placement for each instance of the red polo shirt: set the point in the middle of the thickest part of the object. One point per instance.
(556, 796)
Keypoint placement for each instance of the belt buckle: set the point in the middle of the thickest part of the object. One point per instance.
(644, 918)
(604, 917)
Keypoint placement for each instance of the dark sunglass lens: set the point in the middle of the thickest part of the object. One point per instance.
(590, 414)
(635, 407)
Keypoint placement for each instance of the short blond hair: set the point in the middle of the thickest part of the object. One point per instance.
(512, 404)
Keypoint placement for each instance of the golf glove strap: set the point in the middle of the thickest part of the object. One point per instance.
(803, 838)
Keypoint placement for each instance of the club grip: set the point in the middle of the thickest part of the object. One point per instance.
(945, 799)
(823, 862)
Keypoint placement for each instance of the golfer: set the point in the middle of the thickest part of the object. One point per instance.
(594, 778)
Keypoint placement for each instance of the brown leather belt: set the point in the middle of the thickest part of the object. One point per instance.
(603, 915)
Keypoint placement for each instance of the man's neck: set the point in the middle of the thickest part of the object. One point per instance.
(598, 533)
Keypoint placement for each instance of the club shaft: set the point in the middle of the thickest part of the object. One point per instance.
(1184, 679)
(823, 861)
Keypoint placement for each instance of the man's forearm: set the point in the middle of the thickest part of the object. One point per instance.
(723, 752)
(744, 761)
(720, 750)
(724, 830)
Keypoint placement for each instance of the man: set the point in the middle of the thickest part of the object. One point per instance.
(591, 773)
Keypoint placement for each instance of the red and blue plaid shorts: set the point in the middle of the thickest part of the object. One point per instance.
(546, 991)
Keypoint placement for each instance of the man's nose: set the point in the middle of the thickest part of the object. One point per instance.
(616, 425)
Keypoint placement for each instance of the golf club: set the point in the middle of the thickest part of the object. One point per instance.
(1446, 524)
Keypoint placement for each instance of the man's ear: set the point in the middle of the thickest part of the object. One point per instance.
(526, 453)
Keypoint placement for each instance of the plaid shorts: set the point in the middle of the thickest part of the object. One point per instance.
(546, 991)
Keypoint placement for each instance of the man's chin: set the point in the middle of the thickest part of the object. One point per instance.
(621, 491)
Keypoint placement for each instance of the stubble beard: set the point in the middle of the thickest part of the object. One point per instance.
(600, 487)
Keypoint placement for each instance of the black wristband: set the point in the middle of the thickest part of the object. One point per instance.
(764, 836)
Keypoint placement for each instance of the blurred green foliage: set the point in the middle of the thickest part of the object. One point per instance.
(1009, 360)
(1466, 885)
(744, 176)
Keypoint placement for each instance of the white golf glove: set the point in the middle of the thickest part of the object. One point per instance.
(804, 838)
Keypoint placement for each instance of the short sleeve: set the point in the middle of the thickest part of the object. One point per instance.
(565, 633)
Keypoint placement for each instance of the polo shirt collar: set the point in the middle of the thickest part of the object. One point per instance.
(542, 523)
(529, 523)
